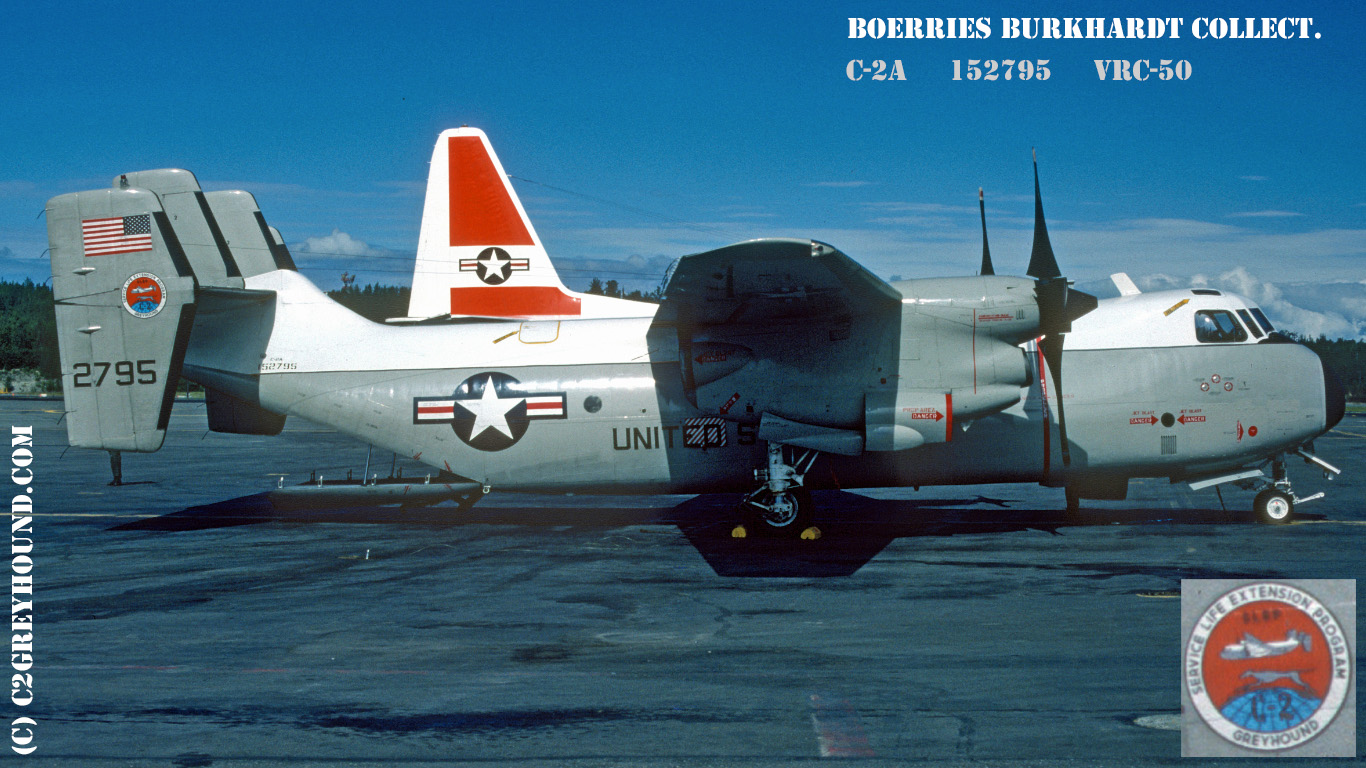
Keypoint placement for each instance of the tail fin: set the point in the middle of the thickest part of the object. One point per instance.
(478, 253)
(223, 234)
(125, 302)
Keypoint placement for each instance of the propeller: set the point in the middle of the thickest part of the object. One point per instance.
(986, 252)
(1059, 305)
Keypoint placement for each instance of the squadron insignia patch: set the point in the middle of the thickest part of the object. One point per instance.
(1267, 667)
(144, 295)
(489, 411)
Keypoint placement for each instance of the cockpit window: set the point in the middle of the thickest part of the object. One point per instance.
(1261, 318)
(1251, 326)
(1218, 326)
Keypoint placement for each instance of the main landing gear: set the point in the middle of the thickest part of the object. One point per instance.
(780, 504)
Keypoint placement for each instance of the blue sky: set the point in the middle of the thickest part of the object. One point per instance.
(637, 135)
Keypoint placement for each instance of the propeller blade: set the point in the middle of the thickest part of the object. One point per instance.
(1059, 305)
(1050, 347)
(1042, 264)
(986, 252)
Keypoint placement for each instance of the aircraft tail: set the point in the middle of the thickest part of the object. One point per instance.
(1306, 641)
(125, 302)
(478, 254)
(133, 267)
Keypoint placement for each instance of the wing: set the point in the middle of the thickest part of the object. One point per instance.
(1255, 648)
(789, 328)
(759, 281)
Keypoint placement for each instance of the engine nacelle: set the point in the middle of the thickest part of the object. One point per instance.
(901, 419)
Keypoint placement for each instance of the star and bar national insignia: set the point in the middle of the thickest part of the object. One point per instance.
(494, 266)
(489, 411)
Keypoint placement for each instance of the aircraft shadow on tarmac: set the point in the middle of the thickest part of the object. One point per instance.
(854, 528)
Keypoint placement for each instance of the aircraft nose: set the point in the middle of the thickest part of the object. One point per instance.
(1334, 398)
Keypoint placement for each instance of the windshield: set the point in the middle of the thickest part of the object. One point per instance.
(1218, 326)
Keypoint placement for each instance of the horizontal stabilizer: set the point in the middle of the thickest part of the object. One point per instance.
(478, 253)
(479, 256)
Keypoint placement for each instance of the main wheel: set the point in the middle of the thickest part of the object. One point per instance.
(786, 512)
(1274, 507)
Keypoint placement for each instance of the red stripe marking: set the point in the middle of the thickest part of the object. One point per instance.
(530, 406)
(482, 212)
(130, 249)
(436, 409)
(948, 417)
(502, 301)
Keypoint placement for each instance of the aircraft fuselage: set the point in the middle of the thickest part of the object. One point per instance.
(602, 405)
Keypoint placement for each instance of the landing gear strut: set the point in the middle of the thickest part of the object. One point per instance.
(781, 503)
(1275, 503)
(116, 467)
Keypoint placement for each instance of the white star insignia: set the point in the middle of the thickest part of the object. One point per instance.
(490, 411)
(497, 263)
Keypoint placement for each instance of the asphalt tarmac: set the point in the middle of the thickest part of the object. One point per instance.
(182, 621)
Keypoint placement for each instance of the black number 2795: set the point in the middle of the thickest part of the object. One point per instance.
(125, 375)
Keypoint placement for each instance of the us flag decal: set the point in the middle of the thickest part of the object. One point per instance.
(118, 234)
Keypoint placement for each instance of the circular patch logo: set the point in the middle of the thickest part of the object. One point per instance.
(493, 265)
(490, 411)
(144, 295)
(1267, 666)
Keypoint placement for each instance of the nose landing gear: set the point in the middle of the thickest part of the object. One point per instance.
(1275, 503)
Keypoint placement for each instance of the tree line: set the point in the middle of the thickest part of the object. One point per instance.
(28, 327)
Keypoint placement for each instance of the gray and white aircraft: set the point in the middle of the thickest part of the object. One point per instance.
(1252, 648)
(771, 367)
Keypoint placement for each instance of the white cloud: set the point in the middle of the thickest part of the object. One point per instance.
(1313, 309)
(337, 244)
(17, 188)
(1263, 214)
(838, 184)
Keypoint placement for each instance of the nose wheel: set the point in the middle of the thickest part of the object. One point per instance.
(1274, 506)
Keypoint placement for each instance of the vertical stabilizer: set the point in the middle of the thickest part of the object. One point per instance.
(125, 301)
(187, 211)
(478, 253)
(255, 246)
